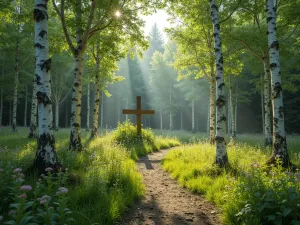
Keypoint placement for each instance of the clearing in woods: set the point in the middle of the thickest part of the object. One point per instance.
(165, 202)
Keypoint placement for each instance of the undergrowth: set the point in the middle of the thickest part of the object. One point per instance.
(247, 193)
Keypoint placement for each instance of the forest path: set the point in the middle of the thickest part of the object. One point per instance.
(165, 202)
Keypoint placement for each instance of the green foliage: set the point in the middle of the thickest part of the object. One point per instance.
(247, 193)
(260, 197)
(126, 134)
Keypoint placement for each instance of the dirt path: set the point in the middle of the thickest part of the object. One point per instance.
(165, 202)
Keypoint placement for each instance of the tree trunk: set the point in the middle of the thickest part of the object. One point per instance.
(15, 96)
(212, 111)
(221, 153)
(262, 104)
(45, 155)
(25, 108)
(232, 111)
(88, 106)
(207, 121)
(267, 103)
(94, 132)
(181, 119)
(280, 150)
(33, 116)
(193, 116)
(102, 108)
(75, 136)
(10, 114)
(161, 119)
(66, 116)
(1, 99)
(235, 110)
(56, 116)
(171, 119)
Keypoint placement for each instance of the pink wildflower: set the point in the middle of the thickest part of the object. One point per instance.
(49, 169)
(26, 188)
(17, 170)
(24, 196)
(62, 190)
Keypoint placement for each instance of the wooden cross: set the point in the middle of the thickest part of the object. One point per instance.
(138, 112)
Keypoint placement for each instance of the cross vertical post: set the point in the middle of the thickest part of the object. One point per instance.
(138, 112)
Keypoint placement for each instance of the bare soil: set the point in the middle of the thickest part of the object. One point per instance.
(165, 202)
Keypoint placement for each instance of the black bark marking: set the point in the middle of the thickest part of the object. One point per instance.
(275, 44)
(42, 33)
(273, 66)
(221, 85)
(76, 84)
(43, 98)
(281, 112)
(38, 45)
(46, 65)
(39, 15)
(276, 90)
(38, 80)
(221, 101)
(75, 143)
(222, 118)
(269, 19)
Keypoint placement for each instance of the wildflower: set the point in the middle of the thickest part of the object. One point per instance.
(62, 190)
(1, 170)
(26, 188)
(298, 205)
(21, 175)
(45, 199)
(24, 196)
(12, 212)
(17, 170)
(20, 180)
(49, 169)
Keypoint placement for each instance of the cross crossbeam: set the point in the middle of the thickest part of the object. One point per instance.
(138, 112)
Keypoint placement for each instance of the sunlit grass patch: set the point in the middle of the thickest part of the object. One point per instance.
(274, 195)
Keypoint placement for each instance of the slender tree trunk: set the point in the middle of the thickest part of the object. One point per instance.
(232, 111)
(94, 132)
(56, 116)
(25, 108)
(45, 155)
(1, 99)
(33, 116)
(212, 111)
(15, 97)
(171, 119)
(267, 103)
(262, 104)
(236, 110)
(161, 119)
(181, 119)
(126, 115)
(88, 106)
(10, 114)
(102, 108)
(279, 137)
(66, 116)
(193, 116)
(75, 136)
(207, 121)
(221, 153)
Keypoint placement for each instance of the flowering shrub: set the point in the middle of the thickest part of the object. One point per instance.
(261, 197)
(44, 204)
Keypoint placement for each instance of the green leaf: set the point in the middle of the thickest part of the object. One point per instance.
(287, 211)
(271, 217)
(295, 222)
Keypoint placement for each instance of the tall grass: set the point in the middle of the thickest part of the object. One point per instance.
(247, 192)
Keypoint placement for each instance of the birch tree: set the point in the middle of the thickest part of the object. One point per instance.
(280, 150)
(33, 114)
(221, 153)
(45, 155)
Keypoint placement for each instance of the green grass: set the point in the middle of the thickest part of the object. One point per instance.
(103, 178)
(192, 165)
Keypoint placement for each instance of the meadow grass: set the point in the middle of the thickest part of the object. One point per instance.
(103, 179)
(248, 192)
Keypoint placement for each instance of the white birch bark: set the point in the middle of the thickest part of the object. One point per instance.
(45, 155)
(94, 132)
(25, 108)
(279, 137)
(221, 153)
(16, 84)
(193, 116)
(102, 109)
(170, 114)
(232, 111)
(33, 115)
(56, 117)
(161, 119)
(212, 110)
(267, 103)
(262, 103)
(88, 105)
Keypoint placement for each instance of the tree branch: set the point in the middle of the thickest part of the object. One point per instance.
(231, 12)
